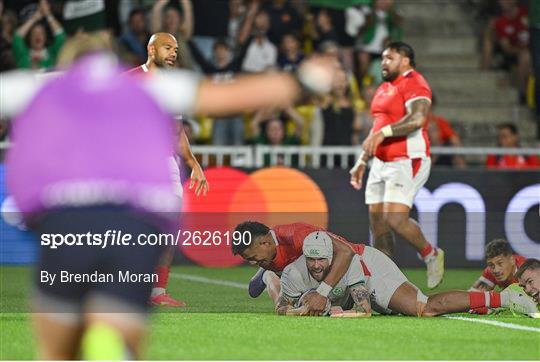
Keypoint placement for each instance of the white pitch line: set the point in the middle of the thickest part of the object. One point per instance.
(195, 278)
(228, 283)
(497, 323)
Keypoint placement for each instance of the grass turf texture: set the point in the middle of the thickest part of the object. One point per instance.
(223, 323)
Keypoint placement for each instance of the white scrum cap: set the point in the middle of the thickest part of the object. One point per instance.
(318, 244)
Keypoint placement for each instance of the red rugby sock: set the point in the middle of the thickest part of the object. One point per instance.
(427, 252)
(163, 277)
(479, 300)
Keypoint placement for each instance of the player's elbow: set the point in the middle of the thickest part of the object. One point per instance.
(419, 121)
(346, 252)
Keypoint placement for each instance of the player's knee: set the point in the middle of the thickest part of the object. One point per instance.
(377, 219)
(395, 219)
(271, 280)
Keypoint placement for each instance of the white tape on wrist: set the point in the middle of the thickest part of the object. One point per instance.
(387, 131)
(324, 289)
(359, 162)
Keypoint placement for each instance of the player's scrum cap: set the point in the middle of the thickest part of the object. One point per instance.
(318, 244)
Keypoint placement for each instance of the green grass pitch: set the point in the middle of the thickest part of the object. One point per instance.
(223, 323)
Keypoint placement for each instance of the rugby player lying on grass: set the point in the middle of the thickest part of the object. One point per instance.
(500, 271)
(502, 264)
(370, 277)
(274, 249)
(528, 276)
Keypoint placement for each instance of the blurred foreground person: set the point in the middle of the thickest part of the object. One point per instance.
(99, 145)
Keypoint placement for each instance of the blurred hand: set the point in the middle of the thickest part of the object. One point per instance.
(37, 15)
(357, 174)
(372, 142)
(317, 73)
(44, 7)
(198, 179)
(254, 4)
(315, 304)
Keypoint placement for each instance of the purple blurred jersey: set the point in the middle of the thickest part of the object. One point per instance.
(91, 137)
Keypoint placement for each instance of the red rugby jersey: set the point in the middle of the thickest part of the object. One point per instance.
(389, 105)
(289, 240)
(139, 71)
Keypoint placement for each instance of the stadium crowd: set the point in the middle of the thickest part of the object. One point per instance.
(222, 38)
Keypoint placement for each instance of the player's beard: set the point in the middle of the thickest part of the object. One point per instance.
(321, 275)
(162, 63)
(390, 76)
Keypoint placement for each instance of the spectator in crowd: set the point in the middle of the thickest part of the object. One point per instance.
(338, 123)
(323, 30)
(381, 25)
(168, 18)
(237, 12)
(508, 137)
(331, 49)
(261, 53)
(8, 24)
(271, 131)
(441, 133)
(225, 131)
(368, 92)
(508, 35)
(289, 114)
(290, 55)
(134, 40)
(283, 20)
(30, 40)
(224, 64)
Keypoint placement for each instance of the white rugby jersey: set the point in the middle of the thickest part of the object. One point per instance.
(296, 280)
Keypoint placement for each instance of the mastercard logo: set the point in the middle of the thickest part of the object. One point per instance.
(272, 196)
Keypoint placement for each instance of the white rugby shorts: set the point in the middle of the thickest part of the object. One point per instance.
(384, 280)
(396, 181)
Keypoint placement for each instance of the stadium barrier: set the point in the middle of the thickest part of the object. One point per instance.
(319, 156)
(316, 157)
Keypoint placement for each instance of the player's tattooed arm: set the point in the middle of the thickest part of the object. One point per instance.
(414, 120)
(285, 305)
(360, 296)
(481, 286)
